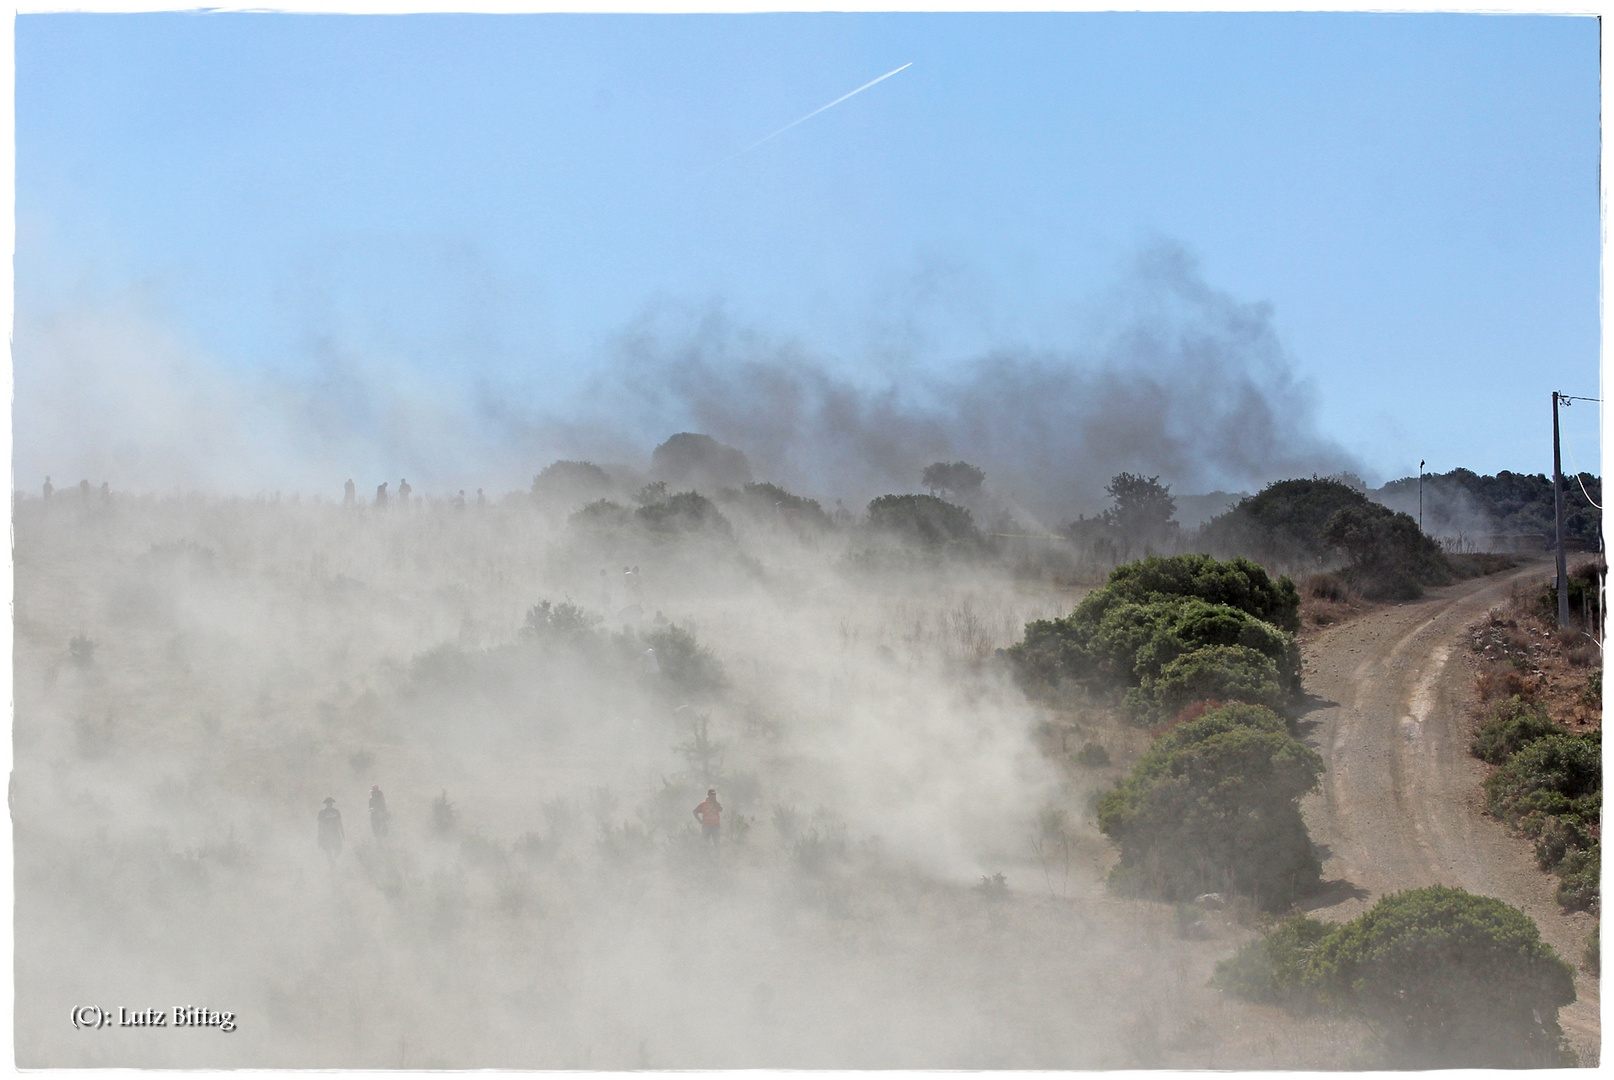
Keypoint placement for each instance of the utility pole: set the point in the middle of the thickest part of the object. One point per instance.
(1558, 513)
(1420, 495)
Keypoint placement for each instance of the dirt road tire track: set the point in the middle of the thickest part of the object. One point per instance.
(1400, 805)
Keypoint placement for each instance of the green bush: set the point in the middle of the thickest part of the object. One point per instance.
(924, 519)
(1552, 775)
(1308, 522)
(1214, 806)
(1283, 523)
(1449, 980)
(1509, 726)
(1389, 556)
(1225, 673)
(1592, 695)
(1593, 956)
(1237, 582)
(1580, 879)
(1130, 643)
(1272, 969)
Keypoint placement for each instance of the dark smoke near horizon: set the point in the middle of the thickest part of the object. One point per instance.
(1182, 381)
(1175, 379)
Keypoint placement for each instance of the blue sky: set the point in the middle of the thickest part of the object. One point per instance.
(479, 208)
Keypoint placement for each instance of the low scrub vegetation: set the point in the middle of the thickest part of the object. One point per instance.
(1544, 738)
(1446, 979)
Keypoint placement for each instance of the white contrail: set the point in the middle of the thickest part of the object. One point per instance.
(809, 116)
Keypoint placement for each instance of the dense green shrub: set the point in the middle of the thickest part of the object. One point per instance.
(1309, 523)
(1449, 980)
(1214, 673)
(924, 519)
(1128, 643)
(1509, 726)
(1236, 582)
(1580, 878)
(1389, 556)
(1283, 523)
(1214, 806)
(1554, 775)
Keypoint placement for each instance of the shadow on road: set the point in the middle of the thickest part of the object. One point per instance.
(1329, 893)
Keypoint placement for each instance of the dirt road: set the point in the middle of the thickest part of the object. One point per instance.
(1400, 805)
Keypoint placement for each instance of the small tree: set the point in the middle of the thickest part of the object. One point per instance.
(1143, 509)
(924, 518)
(958, 479)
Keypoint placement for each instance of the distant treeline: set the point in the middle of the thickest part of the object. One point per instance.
(1508, 503)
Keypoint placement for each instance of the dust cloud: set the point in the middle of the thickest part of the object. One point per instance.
(909, 872)
(195, 675)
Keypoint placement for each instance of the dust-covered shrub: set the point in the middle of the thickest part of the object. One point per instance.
(685, 662)
(570, 481)
(564, 621)
(1214, 806)
(1509, 726)
(925, 520)
(1093, 756)
(601, 515)
(1272, 969)
(1449, 980)
(686, 512)
(1330, 587)
(771, 500)
(1593, 956)
(1315, 521)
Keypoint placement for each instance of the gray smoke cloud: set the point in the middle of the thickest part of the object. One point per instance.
(1179, 380)
(1172, 377)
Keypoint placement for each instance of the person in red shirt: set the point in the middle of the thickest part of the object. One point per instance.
(710, 815)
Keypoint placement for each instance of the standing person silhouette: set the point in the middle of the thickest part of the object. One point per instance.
(350, 495)
(381, 496)
(48, 489)
(379, 814)
(403, 493)
(710, 815)
(331, 833)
